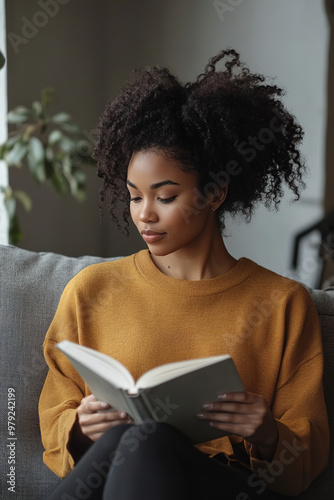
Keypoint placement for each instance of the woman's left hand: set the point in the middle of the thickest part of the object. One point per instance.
(247, 415)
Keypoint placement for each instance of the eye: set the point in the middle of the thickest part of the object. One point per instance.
(135, 199)
(167, 200)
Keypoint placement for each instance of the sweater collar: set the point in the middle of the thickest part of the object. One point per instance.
(239, 273)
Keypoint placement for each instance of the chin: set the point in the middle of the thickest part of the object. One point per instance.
(158, 252)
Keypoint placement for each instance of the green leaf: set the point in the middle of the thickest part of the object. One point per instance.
(71, 128)
(73, 184)
(15, 232)
(24, 199)
(36, 159)
(15, 154)
(67, 165)
(58, 183)
(18, 115)
(6, 191)
(11, 140)
(61, 118)
(37, 170)
(80, 176)
(47, 96)
(49, 154)
(36, 149)
(38, 109)
(67, 144)
(10, 205)
(2, 60)
(55, 136)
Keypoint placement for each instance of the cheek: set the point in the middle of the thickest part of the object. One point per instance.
(176, 218)
(191, 218)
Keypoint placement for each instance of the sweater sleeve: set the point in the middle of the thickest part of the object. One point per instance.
(298, 407)
(63, 388)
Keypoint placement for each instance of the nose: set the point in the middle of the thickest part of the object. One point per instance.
(147, 213)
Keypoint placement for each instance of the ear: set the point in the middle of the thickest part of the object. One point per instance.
(219, 198)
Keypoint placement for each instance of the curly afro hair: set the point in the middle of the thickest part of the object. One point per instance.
(228, 127)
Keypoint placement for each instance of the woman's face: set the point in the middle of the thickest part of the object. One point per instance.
(166, 206)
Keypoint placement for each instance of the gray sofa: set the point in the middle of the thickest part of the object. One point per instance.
(30, 286)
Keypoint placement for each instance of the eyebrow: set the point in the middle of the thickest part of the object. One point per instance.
(157, 185)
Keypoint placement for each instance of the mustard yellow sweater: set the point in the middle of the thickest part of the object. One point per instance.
(133, 312)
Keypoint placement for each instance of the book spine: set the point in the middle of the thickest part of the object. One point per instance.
(128, 406)
(140, 410)
(151, 412)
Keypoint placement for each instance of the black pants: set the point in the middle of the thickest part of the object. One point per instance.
(151, 461)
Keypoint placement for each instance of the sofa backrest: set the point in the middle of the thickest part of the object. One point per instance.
(323, 486)
(30, 287)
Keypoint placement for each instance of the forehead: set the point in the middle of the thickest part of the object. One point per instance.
(154, 167)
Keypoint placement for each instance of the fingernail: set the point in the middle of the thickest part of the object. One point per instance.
(207, 406)
(222, 396)
(200, 415)
(104, 405)
(123, 414)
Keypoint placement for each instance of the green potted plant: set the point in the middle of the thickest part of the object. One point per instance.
(54, 150)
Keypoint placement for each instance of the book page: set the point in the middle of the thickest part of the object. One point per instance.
(178, 400)
(169, 371)
(85, 360)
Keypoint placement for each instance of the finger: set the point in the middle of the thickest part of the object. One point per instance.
(100, 427)
(92, 406)
(245, 431)
(91, 397)
(230, 418)
(247, 409)
(88, 399)
(96, 431)
(99, 417)
(241, 397)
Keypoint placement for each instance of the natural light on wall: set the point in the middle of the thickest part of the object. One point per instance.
(3, 124)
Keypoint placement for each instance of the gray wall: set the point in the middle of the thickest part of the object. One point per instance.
(87, 50)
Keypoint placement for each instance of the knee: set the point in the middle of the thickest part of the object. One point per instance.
(116, 430)
(163, 432)
(149, 435)
(111, 437)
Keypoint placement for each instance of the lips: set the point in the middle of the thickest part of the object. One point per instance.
(152, 236)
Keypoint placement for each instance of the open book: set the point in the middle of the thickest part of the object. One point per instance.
(173, 393)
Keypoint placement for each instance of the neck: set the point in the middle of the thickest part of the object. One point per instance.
(205, 260)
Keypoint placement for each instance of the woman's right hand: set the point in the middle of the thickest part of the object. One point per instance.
(95, 417)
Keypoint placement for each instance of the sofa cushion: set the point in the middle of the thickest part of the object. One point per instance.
(30, 287)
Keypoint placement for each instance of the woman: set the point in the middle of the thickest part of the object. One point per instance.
(186, 155)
